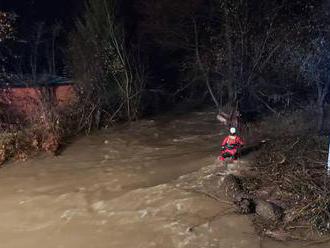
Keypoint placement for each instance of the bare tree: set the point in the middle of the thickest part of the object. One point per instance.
(314, 63)
(227, 46)
(253, 34)
(107, 69)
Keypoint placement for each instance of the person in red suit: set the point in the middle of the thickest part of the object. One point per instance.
(231, 145)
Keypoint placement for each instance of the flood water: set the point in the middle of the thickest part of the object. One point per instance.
(119, 188)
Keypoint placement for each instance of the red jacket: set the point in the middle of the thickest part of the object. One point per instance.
(232, 140)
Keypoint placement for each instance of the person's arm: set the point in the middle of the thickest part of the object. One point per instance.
(224, 142)
(240, 141)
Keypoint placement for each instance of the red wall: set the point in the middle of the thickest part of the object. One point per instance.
(65, 94)
(27, 100)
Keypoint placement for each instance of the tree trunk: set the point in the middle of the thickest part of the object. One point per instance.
(230, 71)
(322, 93)
(320, 121)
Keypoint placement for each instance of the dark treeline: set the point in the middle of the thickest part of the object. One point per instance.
(144, 56)
(40, 30)
(132, 58)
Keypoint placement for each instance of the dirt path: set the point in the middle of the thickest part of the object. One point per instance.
(140, 185)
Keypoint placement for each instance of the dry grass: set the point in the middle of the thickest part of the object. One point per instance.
(290, 170)
(27, 142)
(43, 131)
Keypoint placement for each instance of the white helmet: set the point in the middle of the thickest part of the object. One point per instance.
(232, 130)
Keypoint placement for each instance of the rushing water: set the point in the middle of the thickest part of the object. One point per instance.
(118, 188)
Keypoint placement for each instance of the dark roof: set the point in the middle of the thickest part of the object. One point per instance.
(22, 81)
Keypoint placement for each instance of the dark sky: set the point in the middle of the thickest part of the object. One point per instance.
(49, 11)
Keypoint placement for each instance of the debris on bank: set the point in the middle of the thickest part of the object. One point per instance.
(290, 173)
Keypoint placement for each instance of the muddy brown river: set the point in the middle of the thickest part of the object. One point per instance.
(123, 188)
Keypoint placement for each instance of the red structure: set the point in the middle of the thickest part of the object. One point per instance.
(25, 100)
